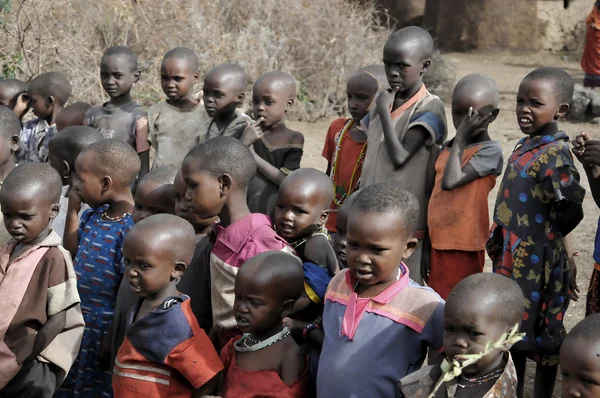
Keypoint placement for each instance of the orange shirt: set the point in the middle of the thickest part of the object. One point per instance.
(459, 219)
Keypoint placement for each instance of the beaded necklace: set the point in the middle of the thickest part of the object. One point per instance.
(334, 164)
(477, 381)
(321, 230)
(106, 217)
(248, 344)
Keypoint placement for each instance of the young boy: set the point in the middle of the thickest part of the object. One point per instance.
(276, 148)
(479, 311)
(121, 118)
(224, 91)
(48, 93)
(13, 94)
(173, 124)
(165, 352)
(406, 128)
(63, 150)
(217, 174)
(378, 323)
(41, 324)
(466, 172)
(579, 360)
(72, 115)
(9, 145)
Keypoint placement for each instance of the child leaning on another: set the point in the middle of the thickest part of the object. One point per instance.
(479, 310)
(48, 93)
(466, 172)
(9, 145)
(41, 325)
(121, 118)
(217, 174)
(538, 204)
(223, 92)
(13, 94)
(405, 130)
(276, 148)
(266, 361)
(165, 352)
(173, 124)
(378, 323)
(105, 172)
(346, 142)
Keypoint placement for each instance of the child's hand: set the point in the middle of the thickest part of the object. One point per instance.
(105, 350)
(22, 105)
(75, 200)
(587, 150)
(385, 100)
(252, 132)
(472, 124)
(573, 269)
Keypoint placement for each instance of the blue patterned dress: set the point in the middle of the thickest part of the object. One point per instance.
(99, 272)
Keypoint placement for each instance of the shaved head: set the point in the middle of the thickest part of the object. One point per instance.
(278, 269)
(184, 53)
(310, 182)
(230, 75)
(33, 179)
(414, 38)
(375, 73)
(278, 80)
(477, 87)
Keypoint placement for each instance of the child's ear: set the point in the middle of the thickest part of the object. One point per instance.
(324, 217)
(66, 170)
(287, 307)
(411, 245)
(494, 114)
(106, 184)
(136, 76)
(290, 103)
(563, 109)
(178, 270)
(14, 143)
(425, 66)
(196, 77)
(240, 99)
(54, 210)
(226, 184)
(50, 101)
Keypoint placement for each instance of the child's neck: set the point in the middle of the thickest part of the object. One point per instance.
(549, 129)
(23, 247)
(278, 127)
(185, 103)
(357, 134)
(153, 301)
(265, 334)
(222, 121)
(235, 209)
(51, 119)
(7, 168)
(122, 100)
(403, 96)
(120, 203)
(202, 231)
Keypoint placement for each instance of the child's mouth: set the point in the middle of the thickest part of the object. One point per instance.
(241, 321)
(525, 122)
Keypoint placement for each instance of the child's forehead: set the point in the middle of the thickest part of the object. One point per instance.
(178, 63)
(30, 196)
(116, 62)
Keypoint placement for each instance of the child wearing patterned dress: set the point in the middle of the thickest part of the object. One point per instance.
(165, 353)
(105, 172)
(346, 143)
(538, 204)
(265, 362)
(378, 323)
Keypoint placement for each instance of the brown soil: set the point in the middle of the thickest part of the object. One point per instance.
(508, 70)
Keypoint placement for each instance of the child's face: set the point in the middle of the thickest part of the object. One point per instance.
(41, 106)
(270, 100)
(88, 183)
(116, 75)
(377, 243)
(404, 64)
(580, 368)
(469, 325)
(220, 94)
(204, 191)
(257, 306)
(339, 240)
(361, 89)
(150, 266)
(153, 198)
(298, 212)
(26, 214)
(177, 78)
(185, 210)
(537, 106)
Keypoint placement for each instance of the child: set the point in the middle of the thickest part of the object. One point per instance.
(41, 324)
(173, 124)
(265, 361)
(405, 129)
(72, 115)
(121, 118)
(378, 323)
(591, 51)
(346, 143)
(480, 309)
(223, 93)
(48, 93)
(105, 172)
(217, 174)
(63, 150)
(466, 172)
(341, 226)
(579, 364)
(9, 145)
(196, 280)
(276, 148)
(13, 94)
(539, 202)
(165, 352)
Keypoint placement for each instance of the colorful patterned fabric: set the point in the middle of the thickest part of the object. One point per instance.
(99, 269)
(316, 280)
(33, 141)
(165, 353)
(526, 243)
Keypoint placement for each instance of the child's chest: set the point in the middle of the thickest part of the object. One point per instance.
(268, 358)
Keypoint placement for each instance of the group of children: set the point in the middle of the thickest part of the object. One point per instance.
(226, 269)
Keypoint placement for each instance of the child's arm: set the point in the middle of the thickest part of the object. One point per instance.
(207, 389)
(293, 364)
(272, 173)
(71, 234)
(142, 145)
(53, 326)
(587, 152)
(571, 254)
(319, 251)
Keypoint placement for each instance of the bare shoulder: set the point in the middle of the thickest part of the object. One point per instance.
(295, 137)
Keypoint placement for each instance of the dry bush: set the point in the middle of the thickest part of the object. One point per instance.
(319, 42)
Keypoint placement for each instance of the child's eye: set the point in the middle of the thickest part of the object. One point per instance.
(352, 245)
(118, 75)
(377, 250)
(178, 79)
(519, 100)
(269, 102)
(255, 303)
(449, 329)
(301, 211)
(144, 266)
(474, 333)
(219, 95)
(27, 217)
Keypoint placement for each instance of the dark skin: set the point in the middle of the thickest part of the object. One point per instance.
(184, 209)
(14, 99)
(8, 146)
(587, 152)
(152, 197)
(580, 368)
(223, 93)
(177, 78)
(45, 108)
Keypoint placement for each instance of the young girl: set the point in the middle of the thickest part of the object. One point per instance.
(265, 361)
(276, 148)
(346, 143)
(538, 204)
(105, 172)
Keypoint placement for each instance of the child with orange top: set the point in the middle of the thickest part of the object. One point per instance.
(466, 172)
(346, 143)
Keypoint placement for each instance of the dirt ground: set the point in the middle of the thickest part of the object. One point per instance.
(508, 70)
